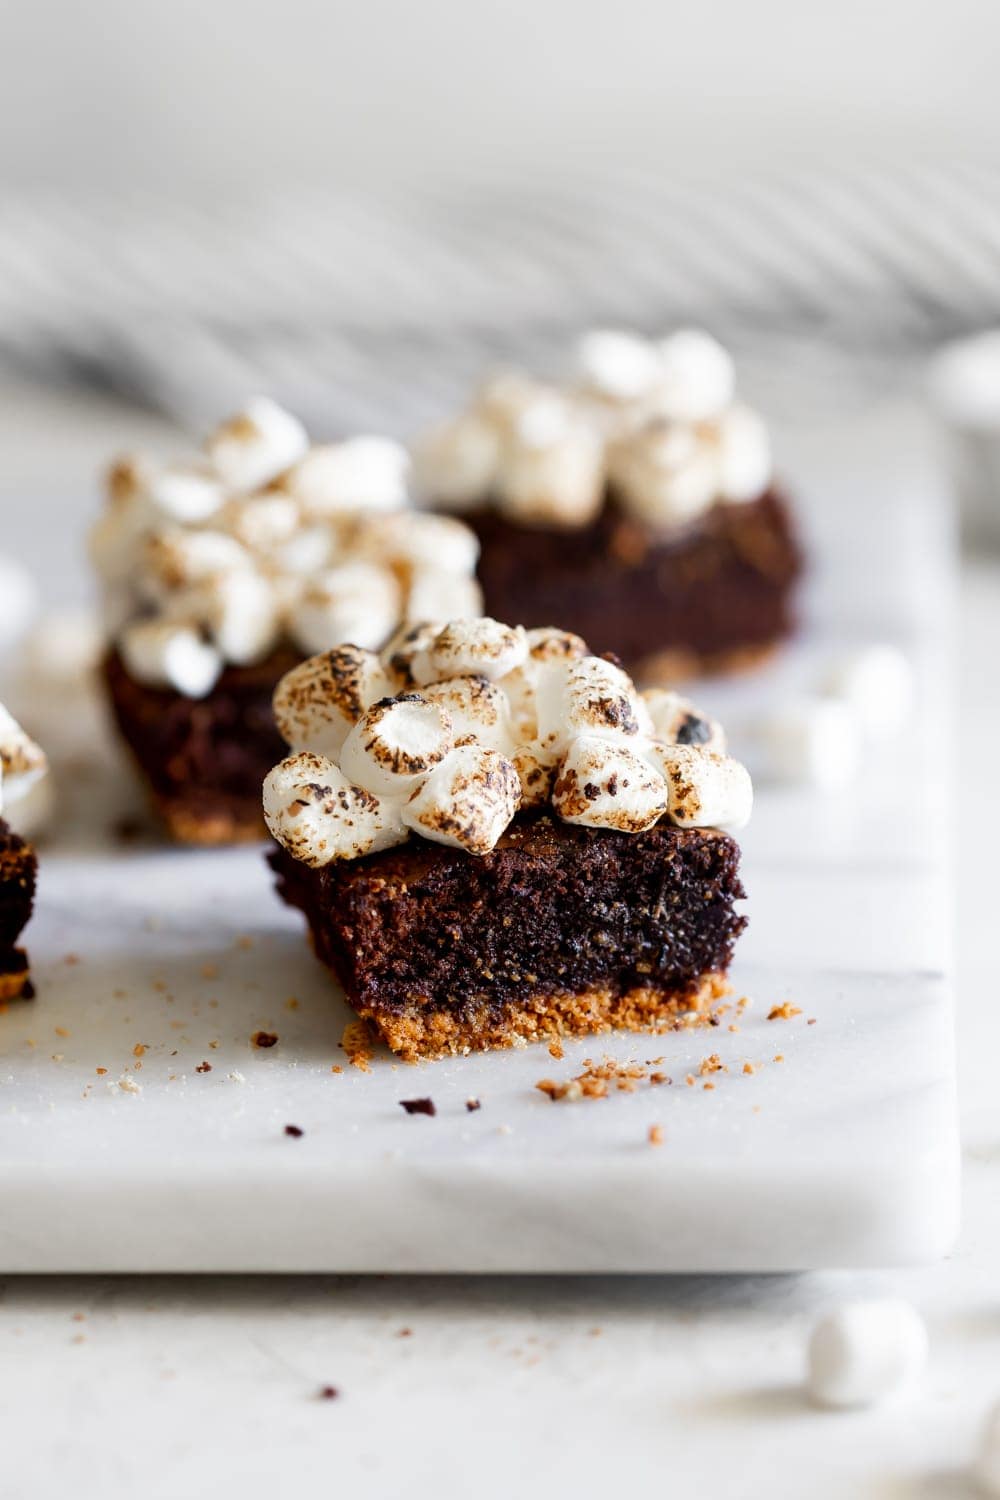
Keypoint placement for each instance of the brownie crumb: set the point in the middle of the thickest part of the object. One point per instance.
(264, 1039)
(295, 1130)
(473, 1104)
(204, 1067)
(405, 1333)
(328, 1393)
(784, 1012)
(656, 1135)
(418, 1106)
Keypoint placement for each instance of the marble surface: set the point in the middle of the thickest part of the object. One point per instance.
(574, 1382)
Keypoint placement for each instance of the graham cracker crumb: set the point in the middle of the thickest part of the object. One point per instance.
(784, 1012)
(556, 1050)
(656, 1135)
(748, 1067)
(358, 1042)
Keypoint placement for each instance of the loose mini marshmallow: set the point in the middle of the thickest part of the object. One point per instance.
(876, 682)
(697, 377)
(552, 468)
(186, 494)
(317, 703)
(602, 784)
(437, 595)
(466, 648)
(588, 696)
(312, 808)
(467, 800)
(677, 721)
(743, 450)
(479, 710)
(166, 653)
(360, 474)
(18, 601)
(664, 473)
(618, 366)
(863, 1352)
(396, 743)
(811, 741)
(257, 445)
(456, 464)
(358, 602)
(705, 790)
(987, 1468)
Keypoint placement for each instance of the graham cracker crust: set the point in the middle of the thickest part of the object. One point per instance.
(425, 1033)
(15, 977)
(666, 668)
(232, 822)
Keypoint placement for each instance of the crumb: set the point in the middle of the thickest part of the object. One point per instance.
(71, 959)
(418, 1106)
(358, 1042)
(328, 1393)
(655, 1135)
(556, 1050)
(405, 1333)
(214, 1045)
(236, 1076)
(689, 1080)
(742, 1003)
(733, 1026)
(784, 1012)
(139, 1049)
(100, 1071)
(657, 1078)
(204, 1067)
(264, 1039)
(712, 1064)
(595, 1333)
(748, 1067)
(811, 1021)
(60, 1031)
(58, 1056)
(336, 1068)
(209, 971)
(291, 1003)
(79, 1317)
(779, 1057)
(708, 1085)
(127, 1085)
(295, 1130)
(473, 1104)
(244, 941)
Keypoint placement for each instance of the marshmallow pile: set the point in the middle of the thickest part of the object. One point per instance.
(264, 538)
(658, 422)
(451, 729)
(25, 784)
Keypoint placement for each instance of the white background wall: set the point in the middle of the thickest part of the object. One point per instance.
(143, 93)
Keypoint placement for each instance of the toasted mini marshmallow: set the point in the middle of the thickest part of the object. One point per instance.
(116, 539)
(396, 743)
(26, 790)
(705, 790)
(128, 478)
(617, 366)
(479, 710)
(306, 552)
(546, 645)
(456, 464)
(19, 755)
(811, 741)
(437, 595)
(588, 696)
(415, 539)
(403, 648)
(876, 683)
(536, 766)
(602, 784)
(241, 612)
(361, 474)
(480, 648)
(262, 522)
(167, 653)
(676, 720)
(358, 602)
(743, 455)
(186, 493)
(467, 800)
(664, 474)
(176, 559)
(552, 466)
(312, 808)
(257, 445)
(866, 1351)
(697, 377)
(317, 703)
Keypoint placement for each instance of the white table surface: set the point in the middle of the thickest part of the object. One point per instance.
(169, 1387)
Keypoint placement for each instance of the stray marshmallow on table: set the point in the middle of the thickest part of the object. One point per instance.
(811, 741)
(876, 683)
(865, 1352)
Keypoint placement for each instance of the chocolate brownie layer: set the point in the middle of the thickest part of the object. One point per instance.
(204, 759)
(18, 872)
(713, 597)
(559, 929)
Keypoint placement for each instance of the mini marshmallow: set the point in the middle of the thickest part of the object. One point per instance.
(480, 648)
(166, 653)
(677, 721)
(417, 539)
(743, 447)
(317, 703)
(257, 445)
(552, 468)
(618, 366)
(187, 494)
(176, 559)
(602, 784)
(876, 683)
(705, 790)
(479, 710)
(987, 1468)
(811, 741)
(358, 602)
(436, 595)
(863, 1352)
(403, 648)
(697, 377)
(536, 769)
(312, 808)
(19, 755)
(18, 601)
(28, 802)
(128, 479)
(396, 743)
(664, 474)
(241, 612)
(306, 552)
(262, 522)
(587, 696)
(467, 800)
(546, 645)
(456, 464)
(360, 474)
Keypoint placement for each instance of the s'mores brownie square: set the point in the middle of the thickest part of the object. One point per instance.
(494, 838)
(221, 572)
(23, 770)
(635, 502)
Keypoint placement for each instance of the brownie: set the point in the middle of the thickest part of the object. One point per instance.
(18, 874)
(559, 929)
(204, 759)
(714, 597)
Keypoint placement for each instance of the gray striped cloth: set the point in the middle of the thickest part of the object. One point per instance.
(362, 312)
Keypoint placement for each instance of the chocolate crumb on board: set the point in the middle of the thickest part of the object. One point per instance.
(328, 1393)
(473, 1104)
(264, 1039)
(204, 1067)
(295, 1130)
(656, 1135)
(418, 1106)
(784, 1012)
